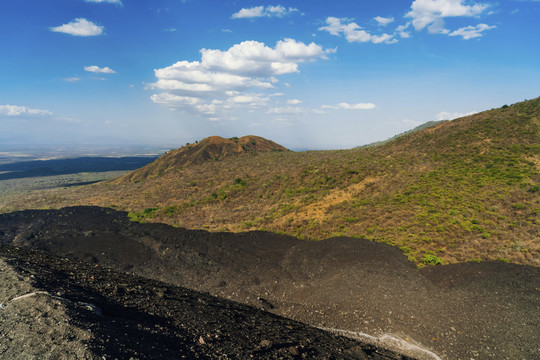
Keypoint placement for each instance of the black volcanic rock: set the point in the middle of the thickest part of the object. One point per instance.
(134, 317)
(368, 289)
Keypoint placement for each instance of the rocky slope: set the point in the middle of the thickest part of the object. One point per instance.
(362, 288)
(84, 311)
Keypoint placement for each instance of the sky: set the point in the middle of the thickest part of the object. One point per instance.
(308, 74)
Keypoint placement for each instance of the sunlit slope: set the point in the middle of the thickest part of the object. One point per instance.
(211, 148)
(461, 190)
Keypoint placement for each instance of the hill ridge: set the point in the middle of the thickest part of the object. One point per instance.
(210, 148)
(458, 191)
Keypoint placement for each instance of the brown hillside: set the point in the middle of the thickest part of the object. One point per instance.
(210, 148)
(462, 190)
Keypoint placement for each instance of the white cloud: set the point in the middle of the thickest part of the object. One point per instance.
(263, 11)
(294, 102)
(79, 27)
(72, 79)
(16, 110)
(227, 80)
(230, 74)
(445, 115)
(383, 21)
(174, 100)
(353, 32)
(244, 13)
(286, 110)
(117, 2)
(401, 31)
(471, 32)
(347, 106)
(252, 100)
(195, 78)
(431, 13)
(253, 58)
(98, 70)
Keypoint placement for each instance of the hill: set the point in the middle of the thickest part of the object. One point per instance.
(460, 190)
(211, 148)
(367, 290)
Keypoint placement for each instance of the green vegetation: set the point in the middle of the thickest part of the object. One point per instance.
(430, 259)
(461, 190)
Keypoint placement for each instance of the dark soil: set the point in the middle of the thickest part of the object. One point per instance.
(131, 317)
(474, 310)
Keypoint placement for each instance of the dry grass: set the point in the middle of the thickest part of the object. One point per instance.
(465, 190)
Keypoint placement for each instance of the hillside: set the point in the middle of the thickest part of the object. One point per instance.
(61, 308)
(367, 290)
(461, 190)
(211, 148)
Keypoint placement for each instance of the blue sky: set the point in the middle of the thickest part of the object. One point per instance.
(311, 74)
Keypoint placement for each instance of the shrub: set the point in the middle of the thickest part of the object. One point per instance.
(405, 249)
(149, 211)
(239, 181)
(431, 260)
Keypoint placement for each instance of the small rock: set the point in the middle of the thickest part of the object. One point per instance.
(293, 350)
(265, 344)
(265, 304)
(201, 340)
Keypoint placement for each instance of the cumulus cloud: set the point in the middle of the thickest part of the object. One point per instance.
(347, 106)
(400, 30)
(98, 70)
(117, 2)
(253, 58)
(289, 110)
(294, 102)
(209, 107)
(263, 11)
(471, 32)
(383, 21)
(353, 32)
(431, 13)
(445, 115)
(79, 27)
(230, 77)
(16, 110)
